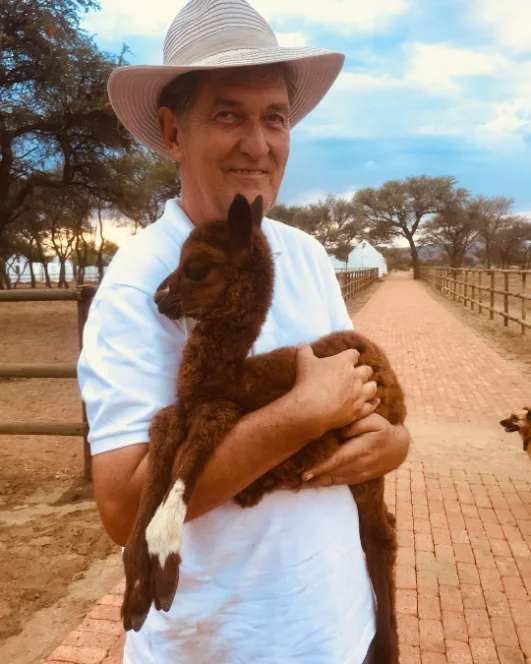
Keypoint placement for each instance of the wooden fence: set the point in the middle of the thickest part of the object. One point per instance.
(468, 286)
(353, 281)
(83, 296)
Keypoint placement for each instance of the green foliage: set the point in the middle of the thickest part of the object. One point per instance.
(335, 222)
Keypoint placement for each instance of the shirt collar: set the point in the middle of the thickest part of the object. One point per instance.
(176, 215)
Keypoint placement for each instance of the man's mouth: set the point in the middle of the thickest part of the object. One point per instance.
(247, 171)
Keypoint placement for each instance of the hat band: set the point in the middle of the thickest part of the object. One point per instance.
(227, 40)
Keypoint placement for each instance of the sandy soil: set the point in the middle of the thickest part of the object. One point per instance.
(50, 533)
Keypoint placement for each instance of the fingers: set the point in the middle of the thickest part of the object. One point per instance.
(369, 391)
(364, 373)
(327, 467)
(369, 407)
(304, 352)
(353, 355)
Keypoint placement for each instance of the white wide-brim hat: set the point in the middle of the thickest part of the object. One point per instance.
(216, 34)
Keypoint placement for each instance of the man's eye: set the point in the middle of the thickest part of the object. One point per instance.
(275, 118)
(225, 115)
(196, 272)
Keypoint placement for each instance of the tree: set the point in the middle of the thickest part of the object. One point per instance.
(57, 127)
(397, 258)
(490, 216)
(335, 222)
(399, 207)
(453, 230)
(512, 241)
(144, 182)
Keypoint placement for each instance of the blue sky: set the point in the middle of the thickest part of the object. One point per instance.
(436, 87)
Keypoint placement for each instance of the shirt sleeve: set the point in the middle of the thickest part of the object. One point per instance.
(128, 367)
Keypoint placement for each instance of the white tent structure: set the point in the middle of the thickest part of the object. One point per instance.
(362, 257)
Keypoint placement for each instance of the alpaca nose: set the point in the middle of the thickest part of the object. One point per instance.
(161, 294)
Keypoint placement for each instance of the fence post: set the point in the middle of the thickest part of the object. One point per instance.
(480, 279)
(506, 298)
(85, 296)
(524, 275)
(465, 287)
(492, 287)
(473, 275)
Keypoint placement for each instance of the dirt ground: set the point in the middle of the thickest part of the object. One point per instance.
(50, 533)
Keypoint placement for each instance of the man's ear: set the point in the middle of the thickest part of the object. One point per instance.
(169, 132)
(240, 224)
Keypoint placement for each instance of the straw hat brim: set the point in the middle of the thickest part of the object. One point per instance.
(134, 90)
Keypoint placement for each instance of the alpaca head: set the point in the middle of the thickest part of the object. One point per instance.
(520, 420)
(225, 269)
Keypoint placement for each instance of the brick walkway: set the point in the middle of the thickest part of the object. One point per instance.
(463, 498)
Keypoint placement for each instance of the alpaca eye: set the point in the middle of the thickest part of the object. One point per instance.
(196, 272)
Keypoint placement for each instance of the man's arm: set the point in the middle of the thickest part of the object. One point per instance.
(261, 440)
(329, 394)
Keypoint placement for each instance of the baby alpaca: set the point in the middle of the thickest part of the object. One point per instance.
(520, 420)
(225, 281)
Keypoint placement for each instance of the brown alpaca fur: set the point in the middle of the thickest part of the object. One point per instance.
(520, 420)
(225, 281)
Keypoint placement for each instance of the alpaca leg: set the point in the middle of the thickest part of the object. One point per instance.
(378, 539)
(211, 422)
(166, 434)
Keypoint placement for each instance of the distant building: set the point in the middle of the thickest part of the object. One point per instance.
(362, 257)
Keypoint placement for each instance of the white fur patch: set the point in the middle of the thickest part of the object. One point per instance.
(164, 533)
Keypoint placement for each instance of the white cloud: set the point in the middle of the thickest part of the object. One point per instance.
(441, 67)
(507, 20)
(341, 15)
(510, 117)
(120, 18)
(358, 82)
(316, 195)
(438, 68)
(123, 18)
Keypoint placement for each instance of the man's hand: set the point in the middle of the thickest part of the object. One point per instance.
(372, 447)
(334, 391)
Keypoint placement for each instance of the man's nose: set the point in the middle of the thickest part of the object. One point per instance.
(253, 141)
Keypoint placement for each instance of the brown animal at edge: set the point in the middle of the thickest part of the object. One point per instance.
(225, 282)
(520, 420)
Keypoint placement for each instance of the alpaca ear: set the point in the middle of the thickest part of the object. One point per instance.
(257, 211)
(528, 413)
(240, 222)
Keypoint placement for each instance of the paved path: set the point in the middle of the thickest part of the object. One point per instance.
(463, 498)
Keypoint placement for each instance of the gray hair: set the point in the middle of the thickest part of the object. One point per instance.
(180, 93)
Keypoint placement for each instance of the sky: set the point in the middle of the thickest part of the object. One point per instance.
(434, 87)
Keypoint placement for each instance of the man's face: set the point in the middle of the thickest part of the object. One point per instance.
(234, 139)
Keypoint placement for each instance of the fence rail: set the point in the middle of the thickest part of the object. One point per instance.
(83, 296)
(353, 281)
(468, 286)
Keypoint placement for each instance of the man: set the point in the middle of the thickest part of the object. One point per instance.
(284, 581)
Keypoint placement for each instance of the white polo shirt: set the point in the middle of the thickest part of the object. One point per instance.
(279, 583)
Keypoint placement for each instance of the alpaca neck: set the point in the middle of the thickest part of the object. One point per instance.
(216, 345)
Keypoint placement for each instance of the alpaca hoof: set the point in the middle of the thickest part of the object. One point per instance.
(164, 581)
(136, 605)
(137, 596)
